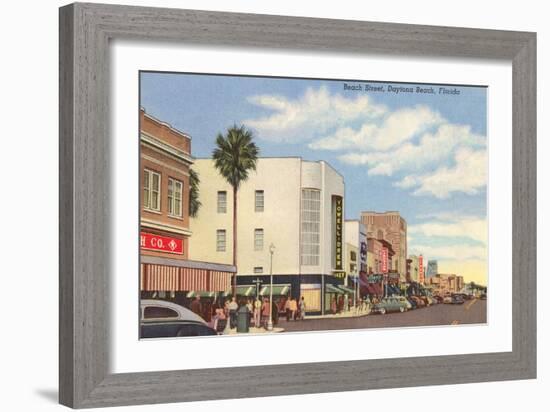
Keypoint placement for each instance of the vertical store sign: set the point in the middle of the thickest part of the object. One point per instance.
(384, 260)
(339, 217)
(421, 269)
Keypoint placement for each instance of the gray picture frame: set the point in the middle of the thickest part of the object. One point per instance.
(84, 358)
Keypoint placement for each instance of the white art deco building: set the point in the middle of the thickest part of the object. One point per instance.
(296, 205)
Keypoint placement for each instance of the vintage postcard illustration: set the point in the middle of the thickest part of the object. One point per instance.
(276, 205)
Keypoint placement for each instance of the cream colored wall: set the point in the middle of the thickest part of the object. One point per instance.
(279, 178)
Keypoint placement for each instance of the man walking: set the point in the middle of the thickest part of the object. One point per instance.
(302, 308)
(233, 306)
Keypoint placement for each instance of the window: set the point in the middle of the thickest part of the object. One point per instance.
(258, 239)
(311, 227)
(222, 202)
(258, 269)
(157, 312)
(259, 201)
(151, 190)
(220, 240)
(175, 192)
(353, 255)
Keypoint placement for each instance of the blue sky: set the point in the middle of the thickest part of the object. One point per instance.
(419, 153)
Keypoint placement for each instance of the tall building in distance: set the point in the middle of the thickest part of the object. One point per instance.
(392, 228)
(431, 269)
(413, 274)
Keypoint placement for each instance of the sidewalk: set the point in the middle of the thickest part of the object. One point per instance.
(253, 330)
(348, 314)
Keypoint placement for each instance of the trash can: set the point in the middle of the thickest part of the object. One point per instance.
(243, 319)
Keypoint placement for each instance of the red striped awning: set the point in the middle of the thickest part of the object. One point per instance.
(172, 278)
(220, 281)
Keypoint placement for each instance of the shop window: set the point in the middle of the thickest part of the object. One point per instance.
(175, 196)
(151, 190)
(220, 240)
(259, 201)
(222, 201)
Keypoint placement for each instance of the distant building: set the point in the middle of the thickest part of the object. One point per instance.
(392, 228)
(431, 269)
(443, 284)
(356, 250)
(413, 274)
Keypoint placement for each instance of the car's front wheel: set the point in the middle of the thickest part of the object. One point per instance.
(401, 309)
(382, 311)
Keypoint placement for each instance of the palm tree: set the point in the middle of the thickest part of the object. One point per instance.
(194, 202)
(235, 156)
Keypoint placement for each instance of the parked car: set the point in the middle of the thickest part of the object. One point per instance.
(162, 319)
(483, 296)
(438, 299)
(404, 300)
(393, 304)
(412, 302)
(419, 302)
(457, 299)
(448, 299)
(425, 300)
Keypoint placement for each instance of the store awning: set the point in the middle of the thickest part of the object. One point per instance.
(246, 290)
(278, 290)
(333, 289)
(155, 277)
(347, 291)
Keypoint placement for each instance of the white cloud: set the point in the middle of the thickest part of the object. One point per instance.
(460, 252)
(314, 113)
(429, 155)
(470, 227)
(468, 175)
(432, 149)
(397, 127)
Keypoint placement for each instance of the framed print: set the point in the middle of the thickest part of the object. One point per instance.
(370, 182)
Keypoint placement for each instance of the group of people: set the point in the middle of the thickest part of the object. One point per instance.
(259, 310)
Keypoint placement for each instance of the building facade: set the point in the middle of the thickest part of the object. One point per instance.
(391, 227)
(356, 254)
(413, 273)
(166, 269)
(444, 284)
(292, 204)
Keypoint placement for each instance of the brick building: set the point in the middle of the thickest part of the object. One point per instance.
(166, 270)
(391, 227)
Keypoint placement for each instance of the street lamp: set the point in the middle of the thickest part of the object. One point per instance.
(270, 322)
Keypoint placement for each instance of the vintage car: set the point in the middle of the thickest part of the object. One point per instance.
(457, 299)
(162, 319)
(412, 302)
(393, 304)
(419, 302)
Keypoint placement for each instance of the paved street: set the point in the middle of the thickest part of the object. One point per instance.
(472, 311)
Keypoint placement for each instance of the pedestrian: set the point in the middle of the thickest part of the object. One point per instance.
(302, 307)
(274, 313)
(287, 309)
(333, 306)
(257, 312)
(293, 308)
(233, 306)
(196, 306)
(250, 307)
